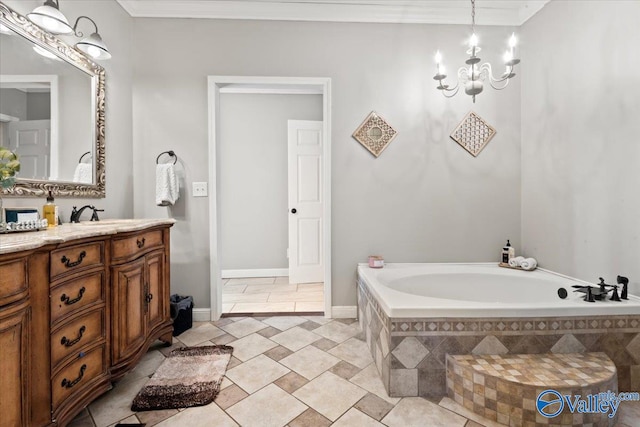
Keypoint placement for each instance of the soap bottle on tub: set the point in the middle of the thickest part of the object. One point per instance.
(508, 252)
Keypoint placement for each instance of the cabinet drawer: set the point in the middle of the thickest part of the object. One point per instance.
(132, 246)
(77, 374)
(76, 258)
(76, 294)
(76, 334)
(13, 280)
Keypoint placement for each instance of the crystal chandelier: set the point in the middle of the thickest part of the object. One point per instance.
(473, 77)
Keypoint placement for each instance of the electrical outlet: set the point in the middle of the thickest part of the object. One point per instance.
(199, 189)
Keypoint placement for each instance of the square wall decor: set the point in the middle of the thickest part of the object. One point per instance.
(374, 134)
(473, 133)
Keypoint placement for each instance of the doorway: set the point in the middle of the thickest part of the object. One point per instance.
(307, 221)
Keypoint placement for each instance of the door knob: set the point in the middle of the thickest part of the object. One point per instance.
(294, 210)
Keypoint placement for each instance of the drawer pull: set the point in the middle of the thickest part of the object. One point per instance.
(140, 242)
(68, 343)
(64, 298)
(68, 384)
(148, 297)
(68, 263)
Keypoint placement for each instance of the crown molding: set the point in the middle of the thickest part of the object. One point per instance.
(489, 12)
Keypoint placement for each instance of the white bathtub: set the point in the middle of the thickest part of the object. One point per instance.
(481, 290)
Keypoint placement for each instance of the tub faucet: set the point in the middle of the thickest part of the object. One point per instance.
(75, 213)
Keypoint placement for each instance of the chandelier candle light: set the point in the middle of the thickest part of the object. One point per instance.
(473, 77)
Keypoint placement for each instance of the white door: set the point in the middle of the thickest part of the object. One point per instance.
(306, 258)
(30, 140)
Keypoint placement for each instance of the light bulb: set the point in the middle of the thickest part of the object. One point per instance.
(442, 70)
(438, 57)
(44, 52)
(473, 41)
(93, 51)
(508, 56)
(512, 40)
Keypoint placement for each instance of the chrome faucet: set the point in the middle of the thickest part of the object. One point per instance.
(75, 213)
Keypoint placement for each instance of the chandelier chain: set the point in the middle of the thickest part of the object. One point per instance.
(473, 16)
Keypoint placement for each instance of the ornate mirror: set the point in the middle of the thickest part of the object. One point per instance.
(51, 111)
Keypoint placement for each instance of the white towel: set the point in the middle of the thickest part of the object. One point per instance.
(529, 264)
(167, 188)
(516, 261)
(83, 173)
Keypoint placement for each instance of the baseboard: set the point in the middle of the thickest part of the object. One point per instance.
(344, 312)
(201, 314)
(256, 272)
(337, 312)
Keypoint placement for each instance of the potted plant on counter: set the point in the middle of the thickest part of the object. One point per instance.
(9, 166)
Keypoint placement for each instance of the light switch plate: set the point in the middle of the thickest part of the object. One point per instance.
(199, 189)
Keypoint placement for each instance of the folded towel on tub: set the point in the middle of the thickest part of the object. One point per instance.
(516, 261)
(529, 264)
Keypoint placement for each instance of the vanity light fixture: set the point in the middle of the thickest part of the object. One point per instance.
(473, 77)
(92, 45)
(5, 30)
(44, 52)
(52, 20)
(49, 17)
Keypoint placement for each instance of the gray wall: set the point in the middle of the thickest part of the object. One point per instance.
(424, 199)
(39, 106)
(253, 176)
(116, 28)
(13, 102)
(580, 148)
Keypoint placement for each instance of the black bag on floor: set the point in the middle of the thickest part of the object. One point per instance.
(181, 310)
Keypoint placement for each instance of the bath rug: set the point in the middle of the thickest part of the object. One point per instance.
(189, 376)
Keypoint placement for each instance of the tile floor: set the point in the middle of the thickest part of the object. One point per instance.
(291, 371)
(271, 295)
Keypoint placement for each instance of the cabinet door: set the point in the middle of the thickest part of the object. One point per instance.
(158, 300)
(14, 359)
(129, 309)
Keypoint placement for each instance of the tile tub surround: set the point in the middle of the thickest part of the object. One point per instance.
(410, 353)
(505, 388)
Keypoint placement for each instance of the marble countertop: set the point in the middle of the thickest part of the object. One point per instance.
(15, 242)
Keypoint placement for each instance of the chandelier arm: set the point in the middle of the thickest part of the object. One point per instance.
(449, 89)
(486, 68)
(455, 91)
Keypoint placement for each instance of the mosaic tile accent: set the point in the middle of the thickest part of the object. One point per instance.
(473, 133)
(616, 336)
(504, 388)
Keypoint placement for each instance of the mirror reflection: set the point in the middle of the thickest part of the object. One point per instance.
(375, 133)
(46, 112)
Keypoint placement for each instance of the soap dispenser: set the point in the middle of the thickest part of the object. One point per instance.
(50, 211)
(508, 252)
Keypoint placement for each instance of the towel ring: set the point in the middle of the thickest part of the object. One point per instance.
(171, 153)
(82, 157)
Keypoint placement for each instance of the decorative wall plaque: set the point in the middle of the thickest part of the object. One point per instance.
(473, 133)
(374, 134)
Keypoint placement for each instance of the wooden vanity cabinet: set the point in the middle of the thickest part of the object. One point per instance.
(76, 316)
(140, 296)
(24, 399)
(14, 357)
(79, 293)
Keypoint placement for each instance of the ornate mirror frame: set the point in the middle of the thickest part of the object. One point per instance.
(33, 187)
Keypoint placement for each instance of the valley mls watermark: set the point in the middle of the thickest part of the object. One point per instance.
(550, 403)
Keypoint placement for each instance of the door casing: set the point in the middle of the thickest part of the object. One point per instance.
(271, 85)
